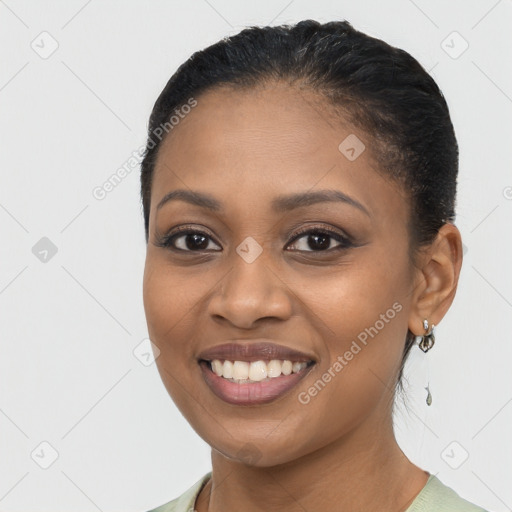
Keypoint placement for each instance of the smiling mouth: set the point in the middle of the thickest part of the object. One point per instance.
(253, 382)
(248, 372)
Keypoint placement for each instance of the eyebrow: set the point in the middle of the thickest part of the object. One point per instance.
(280, 204)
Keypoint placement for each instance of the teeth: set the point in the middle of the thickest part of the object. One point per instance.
(217, 367)
(240, 370)
(297, 367)
(286, 368)
(227, 370)
(274, 368)
(255, 371)
(258, 371)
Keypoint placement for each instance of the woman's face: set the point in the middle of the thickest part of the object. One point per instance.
(251, 275)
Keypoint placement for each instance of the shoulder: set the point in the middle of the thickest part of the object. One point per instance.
(434, 497)
(185, 502)
(438, 497)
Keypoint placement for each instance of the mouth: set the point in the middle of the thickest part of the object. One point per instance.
(242, 374)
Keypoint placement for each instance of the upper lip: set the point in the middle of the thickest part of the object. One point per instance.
(253, 351)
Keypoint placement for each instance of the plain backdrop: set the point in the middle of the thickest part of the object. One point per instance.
(85, 422)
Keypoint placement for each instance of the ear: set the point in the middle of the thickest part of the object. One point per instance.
(436, 279)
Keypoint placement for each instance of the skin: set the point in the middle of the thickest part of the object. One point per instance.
(245, 148)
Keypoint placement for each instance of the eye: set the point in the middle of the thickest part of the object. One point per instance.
(317, 239)
(186, 239)
(320, 240)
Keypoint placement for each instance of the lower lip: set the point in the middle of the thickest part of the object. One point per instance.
(254, 393)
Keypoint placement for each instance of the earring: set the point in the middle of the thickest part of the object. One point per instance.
(426, 343)
(428, 339)
(429, 395)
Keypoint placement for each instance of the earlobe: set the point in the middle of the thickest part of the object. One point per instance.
(437, 280)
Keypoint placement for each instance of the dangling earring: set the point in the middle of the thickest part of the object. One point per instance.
(429, 395)
(426, 343)
(428, 339)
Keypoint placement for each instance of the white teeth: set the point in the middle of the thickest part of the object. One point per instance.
(217, 367)
(227, 370)
(297, 367)
(274, 368)
(255, 371)
(258, 371)
(240, 370)
(286, 368)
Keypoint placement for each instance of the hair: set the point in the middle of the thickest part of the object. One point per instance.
(378, 88)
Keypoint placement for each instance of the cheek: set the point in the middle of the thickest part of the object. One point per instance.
(170, 315)
(364, 298)
(357, 378)
(170, 321)
(169, 297)
(363, 320)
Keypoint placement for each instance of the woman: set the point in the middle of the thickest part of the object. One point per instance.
(298, 189)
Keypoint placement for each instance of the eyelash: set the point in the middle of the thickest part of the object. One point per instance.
(166, 241)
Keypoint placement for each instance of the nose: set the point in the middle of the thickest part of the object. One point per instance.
(249, 293)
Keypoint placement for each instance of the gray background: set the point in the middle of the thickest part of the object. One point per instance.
(72, 366)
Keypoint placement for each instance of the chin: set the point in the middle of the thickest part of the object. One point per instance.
(258, 449)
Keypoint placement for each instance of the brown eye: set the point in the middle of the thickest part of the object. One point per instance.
(321, 240)
(187, 240)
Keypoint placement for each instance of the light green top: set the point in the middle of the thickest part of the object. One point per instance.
(434, 497)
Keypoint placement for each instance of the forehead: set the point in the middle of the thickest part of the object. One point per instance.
(282, 119)
(248, 145)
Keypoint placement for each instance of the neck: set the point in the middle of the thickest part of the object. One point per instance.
(365, 469)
